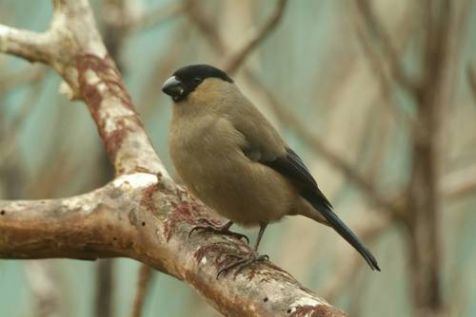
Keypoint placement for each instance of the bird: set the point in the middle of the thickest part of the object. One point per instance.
(232, 158)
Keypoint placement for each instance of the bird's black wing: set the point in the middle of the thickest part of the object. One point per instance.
(291, 166)
(264, 145)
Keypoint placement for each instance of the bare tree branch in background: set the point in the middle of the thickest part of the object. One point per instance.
(347, 271)
(441, 50)
(41, 277)
(236, 59)
(155, 16)
(142, 213)
(145, 277)
(459, 183)
(432, 94)
(28, 74)
(471, 74)
(377, 62)
(104, 288)
(391, 55)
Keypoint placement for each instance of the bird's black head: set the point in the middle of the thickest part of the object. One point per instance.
(187, 78)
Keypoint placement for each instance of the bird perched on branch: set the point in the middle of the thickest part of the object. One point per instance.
(234, 160)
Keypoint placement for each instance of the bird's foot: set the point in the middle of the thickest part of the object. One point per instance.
(241, 262)
(207, 225)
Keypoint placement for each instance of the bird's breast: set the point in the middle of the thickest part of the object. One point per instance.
(204, 151)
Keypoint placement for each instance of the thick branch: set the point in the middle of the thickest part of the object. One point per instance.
(34, 47)
(133, 217)
(143, 285)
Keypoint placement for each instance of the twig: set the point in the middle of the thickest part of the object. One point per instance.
(440, 56)
(8, 140)
(471, 75)
(43, 283)
(236, 59)
(104, 298)
(459, 183)
(23, 76)
(377, 65)
(143, 286)
(197, 16)
(378, 32)
(155, 16)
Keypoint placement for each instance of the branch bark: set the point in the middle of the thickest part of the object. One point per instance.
(142, 213)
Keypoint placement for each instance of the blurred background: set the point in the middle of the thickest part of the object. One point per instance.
(377, 96)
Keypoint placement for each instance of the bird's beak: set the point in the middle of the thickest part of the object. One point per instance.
(173, 87)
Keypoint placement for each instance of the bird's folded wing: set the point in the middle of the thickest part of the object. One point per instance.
(291, 166)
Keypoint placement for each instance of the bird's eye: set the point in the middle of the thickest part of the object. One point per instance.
(197, 80)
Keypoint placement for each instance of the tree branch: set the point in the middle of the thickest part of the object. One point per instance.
(471, 75)
(155, 16)
(143, 285)
(459, 183)
(236, 59)
(130, 217)
(28, 45)
(41, 276)
(142, 214)
(378, 32)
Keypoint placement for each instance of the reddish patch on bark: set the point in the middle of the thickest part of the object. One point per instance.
(114, 139)
(109, 77)
(107, 72)
(182, 213)
(148, 198)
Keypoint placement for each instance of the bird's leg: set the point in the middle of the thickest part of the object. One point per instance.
(262, 227)
(207, 225)
(243, 260)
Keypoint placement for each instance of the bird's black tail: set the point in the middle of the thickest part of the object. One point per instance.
(333, 220)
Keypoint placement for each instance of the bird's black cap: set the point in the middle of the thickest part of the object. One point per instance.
(186, 79)
(201, 71)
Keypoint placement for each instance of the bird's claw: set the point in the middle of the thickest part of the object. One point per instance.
(242, 261)
(207, 225)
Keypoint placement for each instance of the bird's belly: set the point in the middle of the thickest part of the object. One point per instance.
(212, 164)
(243, 191)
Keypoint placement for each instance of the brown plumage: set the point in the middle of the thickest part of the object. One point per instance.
(233, 159)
